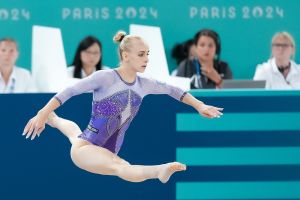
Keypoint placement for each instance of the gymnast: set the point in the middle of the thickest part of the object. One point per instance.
(117, 96)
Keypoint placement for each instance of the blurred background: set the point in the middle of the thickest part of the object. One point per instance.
(245, 27)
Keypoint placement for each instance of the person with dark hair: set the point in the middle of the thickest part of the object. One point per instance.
(182, 51)
(13, 79)
(87, 59)
(206, 70)
(117, 97)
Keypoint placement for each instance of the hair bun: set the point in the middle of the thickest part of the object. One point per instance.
(119, 36)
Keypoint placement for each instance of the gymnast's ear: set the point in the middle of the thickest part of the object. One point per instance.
(125, 56)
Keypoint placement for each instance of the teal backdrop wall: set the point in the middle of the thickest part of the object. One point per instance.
(245, 27)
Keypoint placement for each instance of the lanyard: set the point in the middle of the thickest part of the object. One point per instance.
(198, 71)
(12, 86)
(197, 66)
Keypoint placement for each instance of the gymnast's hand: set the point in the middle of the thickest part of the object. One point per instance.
(209, 111)
(35, 126)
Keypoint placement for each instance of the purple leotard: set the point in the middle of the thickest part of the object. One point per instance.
(115, 104)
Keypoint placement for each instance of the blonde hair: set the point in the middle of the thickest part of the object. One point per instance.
(287, 36)
(124, 41)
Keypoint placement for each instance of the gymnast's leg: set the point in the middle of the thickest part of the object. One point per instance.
(99, 160)
(70, 129)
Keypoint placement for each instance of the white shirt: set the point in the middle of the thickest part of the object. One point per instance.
(20, 81)
(274, 78)
(70, 71)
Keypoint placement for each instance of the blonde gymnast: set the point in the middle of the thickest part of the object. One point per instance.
(117, 96)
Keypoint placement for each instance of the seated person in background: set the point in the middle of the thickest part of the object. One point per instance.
(13, 79)
(206, 70)
(183, 51)
(280, 71)
(88, 58)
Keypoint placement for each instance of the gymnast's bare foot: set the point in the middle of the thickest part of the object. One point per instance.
(168, 169)
(52, 118)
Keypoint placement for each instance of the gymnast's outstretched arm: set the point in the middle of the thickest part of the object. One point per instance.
(203, 109)
(37, 124)
(152, 86)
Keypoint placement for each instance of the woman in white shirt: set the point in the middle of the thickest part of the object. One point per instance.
(88, 58)
(280, 71)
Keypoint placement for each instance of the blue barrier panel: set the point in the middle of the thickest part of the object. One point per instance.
(240, 122)
(239, 156)
(42, 168)
(238, 190)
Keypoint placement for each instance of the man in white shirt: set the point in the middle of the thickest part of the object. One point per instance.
(13, 79)
(280, 72)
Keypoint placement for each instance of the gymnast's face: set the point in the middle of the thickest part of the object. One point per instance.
(137, 56)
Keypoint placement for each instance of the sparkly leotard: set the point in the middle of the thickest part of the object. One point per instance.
(115, 104)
